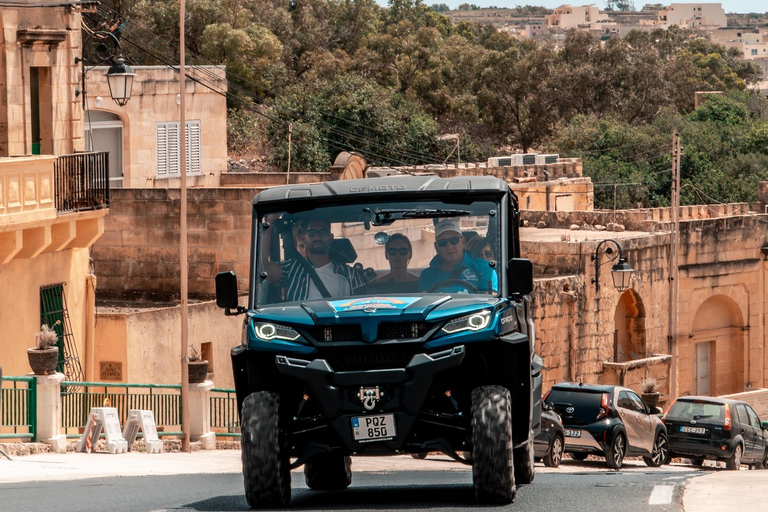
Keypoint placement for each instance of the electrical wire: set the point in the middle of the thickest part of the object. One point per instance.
(406, 156)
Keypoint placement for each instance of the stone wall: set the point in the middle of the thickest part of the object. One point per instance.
(137, 258)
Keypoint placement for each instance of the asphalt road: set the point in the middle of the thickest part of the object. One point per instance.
(575, 487)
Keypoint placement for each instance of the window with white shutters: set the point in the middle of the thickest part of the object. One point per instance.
(169, 149)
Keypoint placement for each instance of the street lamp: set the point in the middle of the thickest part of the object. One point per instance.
(119, 75)
(621, 272)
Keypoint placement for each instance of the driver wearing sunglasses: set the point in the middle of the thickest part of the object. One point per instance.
(454, 269)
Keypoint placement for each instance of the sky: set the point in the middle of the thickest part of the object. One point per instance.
(735, 6)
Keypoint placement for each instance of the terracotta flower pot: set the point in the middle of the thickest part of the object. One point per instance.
(198, 371)
(43, 361)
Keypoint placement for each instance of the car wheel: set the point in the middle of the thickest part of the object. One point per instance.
(763, 463)
(579, 456)
(555, 455)
(266, 466)
(659, 453)
(493, 476)
(734, 462)
(422, 455)
(523, 459)
(615, 456)
(328, 472)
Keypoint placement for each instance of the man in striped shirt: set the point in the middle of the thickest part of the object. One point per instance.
(332, 278)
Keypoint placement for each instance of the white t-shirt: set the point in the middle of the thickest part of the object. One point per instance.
(336, 284)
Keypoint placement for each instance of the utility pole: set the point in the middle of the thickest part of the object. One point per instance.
(183, 235)
(677, 152)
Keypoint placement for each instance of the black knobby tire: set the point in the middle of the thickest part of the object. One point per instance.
(734, 462)
(660, 451)
(328, 472)
(555, 455)
(493, 476)
(697, 462)
(615, 456)
(420, 455)
(266, 468)
(523, 457)
(580, 456)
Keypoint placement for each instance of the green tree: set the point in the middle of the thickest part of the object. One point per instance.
(347, 113)
(518, 93)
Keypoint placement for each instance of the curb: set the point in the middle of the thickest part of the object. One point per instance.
(169, 446)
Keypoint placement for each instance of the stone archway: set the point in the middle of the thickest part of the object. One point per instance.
(714, 351)
(629, 341)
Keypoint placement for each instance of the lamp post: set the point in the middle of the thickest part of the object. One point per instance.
(107, 49)
(621, 272)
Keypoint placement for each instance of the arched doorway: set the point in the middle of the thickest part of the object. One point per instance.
(715, 350)
(629, 341)
(104, 132)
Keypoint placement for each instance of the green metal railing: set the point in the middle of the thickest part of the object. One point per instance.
(223, 406)
(77, 399)
(18, 408)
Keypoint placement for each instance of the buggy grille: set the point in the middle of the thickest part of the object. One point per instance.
(402, 330)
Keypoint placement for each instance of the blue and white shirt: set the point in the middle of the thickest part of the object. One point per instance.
(477, 272)
(296, 279)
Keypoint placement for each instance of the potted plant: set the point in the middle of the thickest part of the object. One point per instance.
(198, 367)
(44, 356)
(649, 391)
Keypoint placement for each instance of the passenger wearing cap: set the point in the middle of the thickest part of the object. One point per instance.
(453, 268)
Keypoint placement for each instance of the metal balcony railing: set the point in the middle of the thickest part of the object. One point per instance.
(82, 181)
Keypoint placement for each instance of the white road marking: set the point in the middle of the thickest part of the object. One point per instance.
(661, 495)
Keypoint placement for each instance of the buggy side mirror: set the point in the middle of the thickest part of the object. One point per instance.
(226, 293)
(520, 275)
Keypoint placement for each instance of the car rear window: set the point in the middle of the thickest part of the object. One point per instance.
(684, 410)
(585, 404)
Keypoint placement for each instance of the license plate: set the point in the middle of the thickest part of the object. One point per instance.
(693, 430)
(380, 427)
(573, 433)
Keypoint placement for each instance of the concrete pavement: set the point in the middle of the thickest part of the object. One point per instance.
(715, 490)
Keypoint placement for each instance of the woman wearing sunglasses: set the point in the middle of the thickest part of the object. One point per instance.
(398, 252)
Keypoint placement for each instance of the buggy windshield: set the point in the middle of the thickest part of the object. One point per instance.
(387, 248)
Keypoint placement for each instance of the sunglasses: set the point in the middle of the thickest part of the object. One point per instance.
(454, 241)
(394, 251)
(312, 233)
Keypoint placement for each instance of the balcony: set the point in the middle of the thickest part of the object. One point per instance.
(82, 181)
(51, 203)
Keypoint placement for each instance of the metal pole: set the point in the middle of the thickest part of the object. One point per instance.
(673, 270)
(288, 174)
(183, 235)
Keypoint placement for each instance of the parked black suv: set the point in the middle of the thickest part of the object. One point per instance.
(610, 421)
(704, 427)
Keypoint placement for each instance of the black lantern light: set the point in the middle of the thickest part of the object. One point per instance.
(107, 50)
(621, 272)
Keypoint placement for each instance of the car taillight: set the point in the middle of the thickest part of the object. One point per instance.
(603, 407)
(727, 422)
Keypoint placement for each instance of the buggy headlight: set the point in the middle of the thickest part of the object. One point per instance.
(474, 322)
(268, 331)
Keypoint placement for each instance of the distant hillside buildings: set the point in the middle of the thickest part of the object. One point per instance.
(707, 19)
